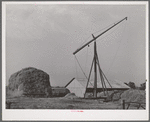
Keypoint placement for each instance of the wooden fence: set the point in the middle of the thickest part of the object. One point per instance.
(124, 103)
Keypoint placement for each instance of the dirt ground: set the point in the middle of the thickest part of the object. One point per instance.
(71, 101)
(61, 103)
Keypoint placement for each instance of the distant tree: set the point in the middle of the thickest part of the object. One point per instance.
(131, 85)
(143, 86)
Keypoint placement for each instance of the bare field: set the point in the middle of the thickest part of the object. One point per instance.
(61, 103)
(133, 99)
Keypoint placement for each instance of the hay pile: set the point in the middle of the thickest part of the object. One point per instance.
(71, 96)
(113, 95)
(101, 94)
(29, 81)
(89, 95)
(133, 95)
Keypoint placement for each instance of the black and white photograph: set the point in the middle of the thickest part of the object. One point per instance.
(75, 60)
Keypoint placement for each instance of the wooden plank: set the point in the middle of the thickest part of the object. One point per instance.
(69, 82)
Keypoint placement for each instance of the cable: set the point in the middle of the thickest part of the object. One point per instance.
(76, 68)
(109, 33)
(80, 67)
(86, 60)
(104, 28)
(84, 42)
(96, 32)
(116, 51)
(82, 70)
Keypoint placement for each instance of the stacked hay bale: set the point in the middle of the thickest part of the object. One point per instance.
(29, 81)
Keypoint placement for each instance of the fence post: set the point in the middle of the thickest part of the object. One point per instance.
(8, 104)
(139, 106)
(123, 104)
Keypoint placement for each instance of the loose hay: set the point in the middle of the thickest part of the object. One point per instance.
(71, 96)
(134, 96)
(112, 95)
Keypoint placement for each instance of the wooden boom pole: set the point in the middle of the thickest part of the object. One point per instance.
(98, 36)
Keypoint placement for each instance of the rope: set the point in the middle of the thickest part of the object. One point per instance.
(96, 32)
(81, 67)
(82, 70)
(86, 60)
(104, 28)
(84, 41)
(109, 33)
(116, 51)
(76, 69)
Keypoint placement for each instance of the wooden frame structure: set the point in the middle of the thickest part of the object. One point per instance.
(96, 63)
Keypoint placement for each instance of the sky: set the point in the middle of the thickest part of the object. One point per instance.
(45, 37)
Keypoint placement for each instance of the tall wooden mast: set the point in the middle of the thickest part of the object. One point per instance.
(96, 62)
(95, 71)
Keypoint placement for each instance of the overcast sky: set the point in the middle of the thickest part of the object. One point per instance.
(45, 36)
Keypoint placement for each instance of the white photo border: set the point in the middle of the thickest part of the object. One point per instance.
(93, 115)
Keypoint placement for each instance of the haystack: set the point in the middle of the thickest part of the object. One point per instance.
(133, 95)
(29, 81)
